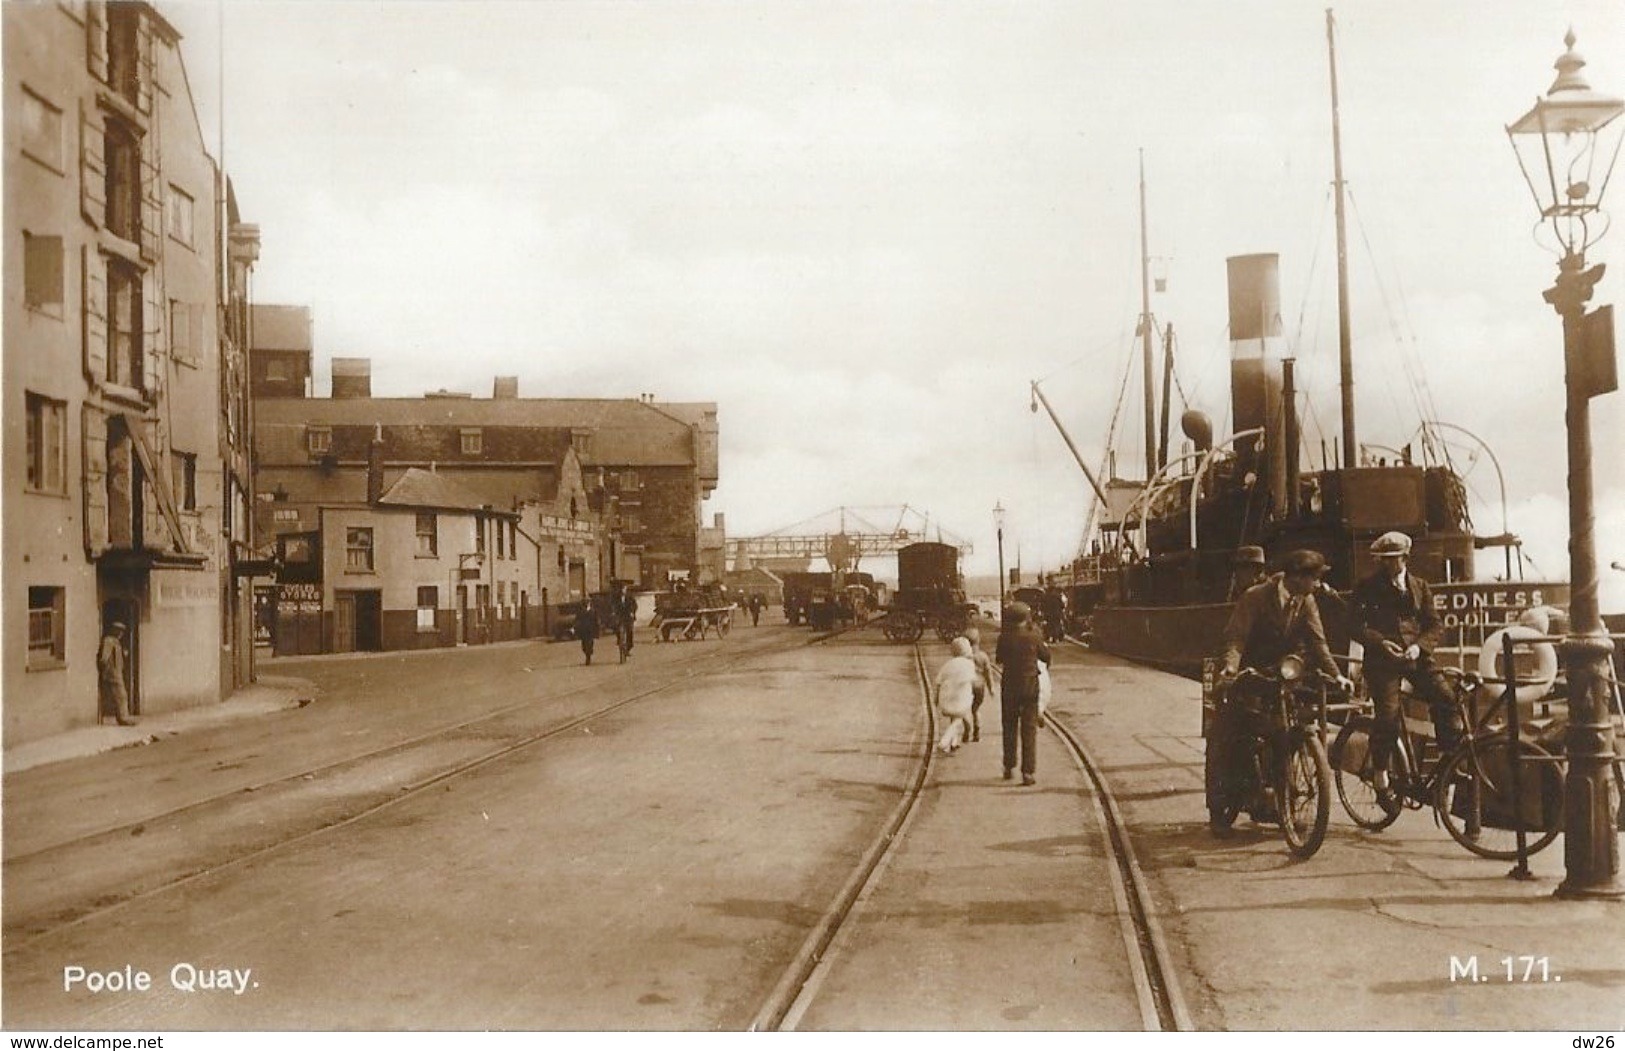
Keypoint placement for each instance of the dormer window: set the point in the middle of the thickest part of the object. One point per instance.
(471, 441)
(319, 440)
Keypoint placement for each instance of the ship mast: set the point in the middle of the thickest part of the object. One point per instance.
(1351, 451)
(1145, 335)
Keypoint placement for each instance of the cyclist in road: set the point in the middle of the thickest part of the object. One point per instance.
(1271, 619)
(1392, 616)
(625, 607)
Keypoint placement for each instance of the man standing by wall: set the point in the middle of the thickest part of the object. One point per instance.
(110, 669)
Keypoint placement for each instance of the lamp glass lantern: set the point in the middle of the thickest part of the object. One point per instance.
(1567, 145)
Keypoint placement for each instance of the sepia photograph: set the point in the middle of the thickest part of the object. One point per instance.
(636, 517)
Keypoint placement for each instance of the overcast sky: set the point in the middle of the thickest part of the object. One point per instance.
(863, 228)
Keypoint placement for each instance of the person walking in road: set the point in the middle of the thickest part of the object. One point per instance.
(625, 605)
(110, 671)
(755, 609)
(1021, 648)
(587, 628)
(983, 683)
(954, 682)
(1392, 616)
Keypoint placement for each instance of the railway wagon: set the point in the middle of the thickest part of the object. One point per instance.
(930, 594)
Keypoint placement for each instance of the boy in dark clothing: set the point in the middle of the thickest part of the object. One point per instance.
(587, 629)
(1020, 649)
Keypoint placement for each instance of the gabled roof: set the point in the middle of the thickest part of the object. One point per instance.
(625, 432)
(420, 488)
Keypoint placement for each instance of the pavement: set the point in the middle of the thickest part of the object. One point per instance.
(1399, 930)
(268, 693)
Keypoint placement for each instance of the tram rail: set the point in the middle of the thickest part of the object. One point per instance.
(29, 934)
(1152, 970)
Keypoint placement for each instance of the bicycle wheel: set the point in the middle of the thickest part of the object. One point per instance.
(1475, 802)
(1352, 769)
(1305, 793)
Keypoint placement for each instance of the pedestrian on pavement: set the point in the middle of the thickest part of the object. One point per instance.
(1021, 648)
(110, 667)
(755, 609)
(1393, 618)
(954, 682)
(587, 628)
(983, 683)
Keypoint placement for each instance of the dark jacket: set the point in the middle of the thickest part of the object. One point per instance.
(587, 622)
(1019, 651)
(1379, 611)
(1258, 634)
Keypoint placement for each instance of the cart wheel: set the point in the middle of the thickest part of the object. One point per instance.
(950, 625)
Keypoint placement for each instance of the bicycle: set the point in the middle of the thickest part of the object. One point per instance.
(1469, 787)
(623, 639)
(1278, 717)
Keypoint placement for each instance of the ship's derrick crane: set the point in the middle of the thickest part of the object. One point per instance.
(843, 536)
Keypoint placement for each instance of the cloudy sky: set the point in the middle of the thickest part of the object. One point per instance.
(863, 228)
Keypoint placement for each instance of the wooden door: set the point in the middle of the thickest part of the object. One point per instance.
(344, 622)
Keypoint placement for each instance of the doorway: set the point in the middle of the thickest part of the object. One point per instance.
(357, 621)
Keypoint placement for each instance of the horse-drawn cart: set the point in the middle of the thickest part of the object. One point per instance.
(930, 595)
(671, 625)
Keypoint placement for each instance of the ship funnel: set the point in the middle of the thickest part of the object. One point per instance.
(1198, 428)
(1255, 366)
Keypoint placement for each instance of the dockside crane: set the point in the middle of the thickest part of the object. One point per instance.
(843, 536)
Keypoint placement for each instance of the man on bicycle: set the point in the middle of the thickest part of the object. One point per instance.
(624, 604)
(1392, 616)
(1271, 619)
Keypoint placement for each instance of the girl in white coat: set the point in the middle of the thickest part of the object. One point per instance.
(955, 682)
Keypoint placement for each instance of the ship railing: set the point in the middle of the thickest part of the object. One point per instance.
(1201, 471)
(1149, 492)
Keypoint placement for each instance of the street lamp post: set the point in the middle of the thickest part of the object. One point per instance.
(998, 525)
(1573, 135)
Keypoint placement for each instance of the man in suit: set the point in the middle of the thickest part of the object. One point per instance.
(1392, 616)
(1271, 619)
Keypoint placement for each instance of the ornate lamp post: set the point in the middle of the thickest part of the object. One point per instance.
(998, 525)
(1573, 136)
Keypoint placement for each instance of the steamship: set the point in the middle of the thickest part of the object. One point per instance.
(1156, 581)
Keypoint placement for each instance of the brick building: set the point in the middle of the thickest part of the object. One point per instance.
(126, 467)
(641, 467)
(283, 344)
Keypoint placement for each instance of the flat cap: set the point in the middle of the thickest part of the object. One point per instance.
(1250, 554)
(1390, 544)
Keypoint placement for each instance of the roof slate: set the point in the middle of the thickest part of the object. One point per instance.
(420, 488)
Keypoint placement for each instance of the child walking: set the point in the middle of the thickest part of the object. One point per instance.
(955, 681)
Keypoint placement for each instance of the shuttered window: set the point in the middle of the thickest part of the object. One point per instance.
(47, 444)
(125, 362)
(42, 279)
(46, 630)
(42, 131)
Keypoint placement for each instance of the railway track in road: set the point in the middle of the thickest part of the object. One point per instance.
(59, 856)
(1159, 999)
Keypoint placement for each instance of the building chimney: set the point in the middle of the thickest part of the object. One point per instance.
(375, 465)
(505, 388)
(352, 378)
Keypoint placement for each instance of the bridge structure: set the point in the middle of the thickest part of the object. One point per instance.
(843, 536)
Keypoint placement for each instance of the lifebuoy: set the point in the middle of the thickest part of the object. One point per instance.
(1489, 662)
